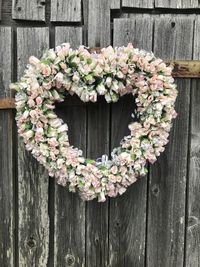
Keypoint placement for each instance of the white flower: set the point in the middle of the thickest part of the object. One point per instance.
(101, 89)
(63, 128)
(33, 60)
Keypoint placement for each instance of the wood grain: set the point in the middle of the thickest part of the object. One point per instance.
(167, 187)
(5, 61)
(69, 241)
(66, 10)
(193, 205)
(98, 25)
(98, 141)
(0, 8)
(179, 4)
(28, 10)
(127, 222)
(138, 3)
(115, 4)
(33, 226)
(7, 207)
(97, 213)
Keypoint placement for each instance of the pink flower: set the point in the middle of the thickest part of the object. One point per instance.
(39, 100)
(114, 169)
(33, 60)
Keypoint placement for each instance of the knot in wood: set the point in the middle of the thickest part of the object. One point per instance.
(70, 260)
(31, 242)
(192, 221)
(155, 190)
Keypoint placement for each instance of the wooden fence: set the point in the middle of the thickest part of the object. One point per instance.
(156, 223)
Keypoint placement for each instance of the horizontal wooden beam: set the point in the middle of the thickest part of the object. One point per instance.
(182, 69)
(7, 103)
(185, 68)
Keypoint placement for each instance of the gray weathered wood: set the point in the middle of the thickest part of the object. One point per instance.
(0, 8)
(33, 228)
(28, 10)
(138, 3)
(97, 213)
(69, 240)
(6, 156)
(7, 209)
(98, 23)
(177, 4)
(66, 10)
(127, 221)
(72, 35)
(166, 214)
(98, 141)
(193, 204)
(5, 61)
(115, 4)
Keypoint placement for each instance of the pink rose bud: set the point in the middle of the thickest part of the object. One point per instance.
(33, 60)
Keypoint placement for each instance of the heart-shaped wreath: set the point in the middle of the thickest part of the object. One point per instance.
(113, 72)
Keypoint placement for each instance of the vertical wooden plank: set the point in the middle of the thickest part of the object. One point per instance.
(166, 218)
(32, 177)
(98, 23)
(138, 3)
(97, 213)
(98, 141)
(128, 212)
(115, 4)
(7, 209)
(28, 10)
(69, 208)
(66, 10)
(5, 61)
(0, 8)
(177, 4)
(193, 204)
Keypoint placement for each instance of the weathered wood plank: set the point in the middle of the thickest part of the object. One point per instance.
(7, 209)
(166, 214)
(115, 4)
(138, 3)
(69, 246)
(7, 103)
(32, 178)
(177, 4)
(127, 221)
(28, 10)
(97, 213)
(97, 141)
(0, 8)
(193, 204)
(66, 10)
(98, 23)
(5, 61)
